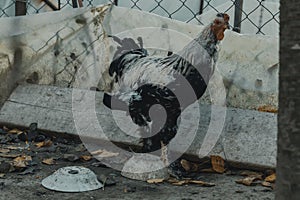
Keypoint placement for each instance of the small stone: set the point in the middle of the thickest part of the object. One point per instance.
(33, 127)
(129, 189)
(258, 83)
(2, 131)
(23, 137)
(40, 138)
(98, 164)
(71, 157)
(80, 148)
(62, 141)
(27, 171)
(1, 185)
(5, 167)
(106, 180)
(62, 148)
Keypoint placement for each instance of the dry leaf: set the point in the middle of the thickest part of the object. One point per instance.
(187, 181)
(179, 183)
(271, 178)
(16, 147)
(49, 161)
(15, 131)
(2, 175)
(46, 143)
(189, 166)
(266, 184)
(9, 155)
(268, 108)
(21, 161)
(217, 163)
(202, 183)
(86, 157)
(12, 147)
(250, 173)
(172, 180)
(4, 150)
(160, 180)
(104, 154)
(248, 181)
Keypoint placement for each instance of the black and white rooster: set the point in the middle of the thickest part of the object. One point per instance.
(142, 81)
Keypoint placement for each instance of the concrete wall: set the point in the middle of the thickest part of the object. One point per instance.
(72, 50)
(183, 14)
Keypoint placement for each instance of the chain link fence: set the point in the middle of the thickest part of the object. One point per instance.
(251, 16)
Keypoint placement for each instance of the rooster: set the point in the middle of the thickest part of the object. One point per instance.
(142, 82)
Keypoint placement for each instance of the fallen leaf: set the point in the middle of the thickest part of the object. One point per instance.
(172, 180)
(179, 183)
(71, 157)
(9, 155)
(187, 181)
(4, 150)
(202, 183)
(268, 108)
(189, 166)
(250, 173)
(27, 171)
(248, 181)
(104, 154)
(217, 163)
(86, 157)
(16, 147)
(266, 184)
(159, 180)
(46, 143)
(49, 161)
(15, 131)
(271, 178)
(21, 161)
(2, 175)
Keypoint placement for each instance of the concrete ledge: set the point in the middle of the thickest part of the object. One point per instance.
(247, 138)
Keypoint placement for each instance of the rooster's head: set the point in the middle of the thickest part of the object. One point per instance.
(219, 25)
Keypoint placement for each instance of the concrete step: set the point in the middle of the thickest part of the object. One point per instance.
(245, 138)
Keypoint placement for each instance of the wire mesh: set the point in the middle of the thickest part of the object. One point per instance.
(258, 16)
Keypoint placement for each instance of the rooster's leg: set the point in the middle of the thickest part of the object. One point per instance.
(164, 154)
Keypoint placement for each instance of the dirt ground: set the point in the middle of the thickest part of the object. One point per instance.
(25, 183)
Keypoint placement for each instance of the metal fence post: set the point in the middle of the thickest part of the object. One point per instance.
(238, 12)
(74, 4)
(20, 7)
(201, 7)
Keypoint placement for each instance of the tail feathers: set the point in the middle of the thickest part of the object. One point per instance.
(126, 46)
